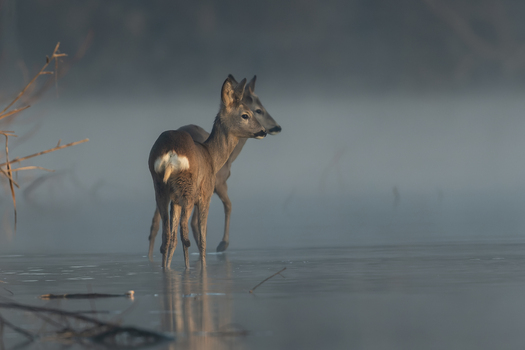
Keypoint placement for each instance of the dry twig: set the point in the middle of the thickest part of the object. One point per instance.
(16, 160)
(129, 294)
(55, 57)
(275, 274)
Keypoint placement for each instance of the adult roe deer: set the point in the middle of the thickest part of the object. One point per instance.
(198, 134)
(183, 171)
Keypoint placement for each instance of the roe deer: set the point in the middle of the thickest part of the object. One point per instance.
(198, 134)
(183, 171)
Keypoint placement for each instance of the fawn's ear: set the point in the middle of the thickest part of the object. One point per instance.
(251, 84)
(232, 93)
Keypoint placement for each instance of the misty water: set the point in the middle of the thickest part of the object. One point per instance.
(397, 231)
(427, 296)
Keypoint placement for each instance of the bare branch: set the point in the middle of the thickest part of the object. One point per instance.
(275, 274)
(42, 71)
(7, 114)
(100, 332)
(10, 175)
(7, 133)
(32, 168)
(17, 160)
(129, 294)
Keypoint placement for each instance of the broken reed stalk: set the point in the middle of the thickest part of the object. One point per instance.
(8, 171)
(14, 111)
(17, 160)
(275, 274)
(55, 57)
(9, 177)
(8, 167)
(32, 167)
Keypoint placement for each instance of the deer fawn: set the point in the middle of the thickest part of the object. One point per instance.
(221, 188)
(183, 171)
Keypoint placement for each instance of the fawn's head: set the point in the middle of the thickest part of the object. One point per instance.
(252, 101)
(235, 115)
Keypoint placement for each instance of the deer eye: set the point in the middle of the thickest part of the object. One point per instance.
(258, 111)
(245, 116)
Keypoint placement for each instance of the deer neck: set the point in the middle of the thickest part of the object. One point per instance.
(236, 151)
(220, 145)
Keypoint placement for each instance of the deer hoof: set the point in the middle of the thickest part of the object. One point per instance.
(222, 246)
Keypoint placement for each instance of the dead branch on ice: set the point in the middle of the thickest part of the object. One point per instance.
(73, 327)
(129, 294)
(275, 274)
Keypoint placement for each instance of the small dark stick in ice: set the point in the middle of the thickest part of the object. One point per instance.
(275, 274)
(86, 295)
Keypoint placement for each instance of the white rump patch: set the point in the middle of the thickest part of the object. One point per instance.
(170, 163)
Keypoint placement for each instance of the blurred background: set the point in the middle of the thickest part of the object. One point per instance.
(402, 121)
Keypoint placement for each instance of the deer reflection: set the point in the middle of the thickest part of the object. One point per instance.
(197, 312)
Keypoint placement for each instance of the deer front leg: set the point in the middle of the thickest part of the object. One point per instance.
(175, 217)
(184, 232)
(153, 233)
(222, 191)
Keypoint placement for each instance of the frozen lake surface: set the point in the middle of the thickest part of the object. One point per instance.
(454, 295)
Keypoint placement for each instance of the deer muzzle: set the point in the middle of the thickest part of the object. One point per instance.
(260, 135)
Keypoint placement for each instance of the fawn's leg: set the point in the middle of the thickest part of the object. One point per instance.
(204, 206)
(195, 225)
(184, 231)
(175, 217)
(222, 191)
(155, 222)
(163, 203)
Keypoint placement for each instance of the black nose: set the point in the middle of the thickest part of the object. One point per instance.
(260, 134)
(275, 130)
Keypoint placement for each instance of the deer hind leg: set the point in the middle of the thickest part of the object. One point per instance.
(195, 225)
(184, 232)
(163, 203)
(222, 191)
(155, 223)
(175, 217)
(204, 206)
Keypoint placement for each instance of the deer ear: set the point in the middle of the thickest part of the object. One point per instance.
(233, 81)
(251, 84)
(232, 93)
(239, 90)
(227, 93)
